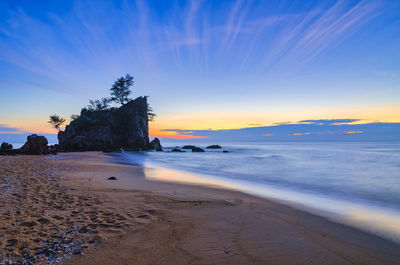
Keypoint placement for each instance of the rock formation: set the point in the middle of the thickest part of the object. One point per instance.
(6, 146)
(156, 144)
(193, 148)
(109, 130)
(177, 150)
(35, 145)
(214, 146)
(197, 149)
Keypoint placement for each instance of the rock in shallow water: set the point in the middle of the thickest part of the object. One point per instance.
(176, 150)
(193, 148)
(214, 146)
(156, 145)
(197, 149)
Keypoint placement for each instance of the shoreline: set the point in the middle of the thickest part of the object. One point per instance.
(370, 217)
(142, 221)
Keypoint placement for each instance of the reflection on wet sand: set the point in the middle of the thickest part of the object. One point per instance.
(384, 222)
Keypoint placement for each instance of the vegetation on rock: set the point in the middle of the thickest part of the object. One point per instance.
(120, 90)
(56, 121)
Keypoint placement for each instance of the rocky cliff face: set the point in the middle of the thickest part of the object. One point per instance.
(108, 130)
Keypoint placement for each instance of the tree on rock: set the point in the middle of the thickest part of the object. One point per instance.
(99, 104)
(150, 114)
(56, 121)
(120, 90)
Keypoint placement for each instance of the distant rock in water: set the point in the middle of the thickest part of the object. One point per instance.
(6, 146)
(214, 146)
(197, 149)
(188, 147)
(176, 150)
(193, 148)
(225, 151)
(35, 145)
(109, 130)
(156, 145)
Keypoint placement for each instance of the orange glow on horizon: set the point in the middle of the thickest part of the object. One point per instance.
(225, 120)
(155, 132)
(354, 132)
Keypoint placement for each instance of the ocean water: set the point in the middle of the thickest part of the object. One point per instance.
(354, 183)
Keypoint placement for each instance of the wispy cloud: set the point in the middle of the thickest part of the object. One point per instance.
(385, 74)
(310, 35)
(330, 121)
(353, 132)
(4, 129)
(61, 47)
(308, 131)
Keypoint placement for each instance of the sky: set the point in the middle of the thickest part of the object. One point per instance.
(207, 66)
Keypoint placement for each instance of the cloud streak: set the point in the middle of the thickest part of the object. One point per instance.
(61, 47)
(310, 130)
(4, 129)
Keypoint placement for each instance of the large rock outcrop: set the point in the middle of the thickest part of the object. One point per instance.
(108, 130)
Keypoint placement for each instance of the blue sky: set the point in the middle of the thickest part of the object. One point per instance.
(205, 64)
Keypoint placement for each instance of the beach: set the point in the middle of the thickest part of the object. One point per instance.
(64, 209)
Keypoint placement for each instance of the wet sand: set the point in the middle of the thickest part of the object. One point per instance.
(63, 208)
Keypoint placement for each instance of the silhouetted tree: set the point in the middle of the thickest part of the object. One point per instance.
(74, 116)
(120, 90)
(56, 121)
(150, 114)
(99, 104)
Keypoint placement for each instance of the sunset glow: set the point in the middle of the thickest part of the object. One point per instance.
(204, 65)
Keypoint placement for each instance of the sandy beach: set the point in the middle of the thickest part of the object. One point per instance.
(63, 209)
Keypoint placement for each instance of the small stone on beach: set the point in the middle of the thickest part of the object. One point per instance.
(43, 220)
(112, 178)
(11, 242)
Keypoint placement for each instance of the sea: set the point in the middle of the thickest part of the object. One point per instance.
(357, 184)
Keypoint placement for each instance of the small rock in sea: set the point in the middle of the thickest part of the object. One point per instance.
(214, 146)
(112, 178)
(197, 149)
(225, 151)
(155, 144)
(176, 150)
(193, 148)
(188, 147)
